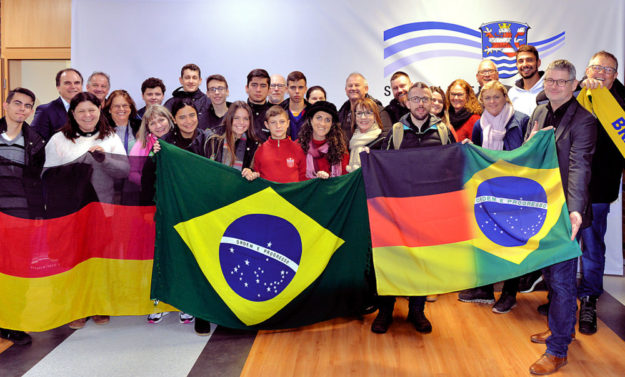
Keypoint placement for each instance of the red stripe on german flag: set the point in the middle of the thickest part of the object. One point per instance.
(41, 248)
(426, 220)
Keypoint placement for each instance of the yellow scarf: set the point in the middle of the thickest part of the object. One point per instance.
(611, 115)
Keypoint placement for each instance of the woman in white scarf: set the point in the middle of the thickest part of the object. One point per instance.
(499, 128)
(367, 127)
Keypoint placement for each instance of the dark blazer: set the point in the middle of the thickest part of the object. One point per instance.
(49, 118)
(575, 144)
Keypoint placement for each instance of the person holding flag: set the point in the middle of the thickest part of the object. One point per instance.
(607, 166)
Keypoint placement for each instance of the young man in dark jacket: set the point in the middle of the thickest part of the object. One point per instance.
(191, 79)
(22, 155)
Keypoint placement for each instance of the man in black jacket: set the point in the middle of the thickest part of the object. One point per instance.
(607, 166)
(191, 79)
(22, 155)
(400, 83)
(257, 89)
(50, 117)
(575, 135)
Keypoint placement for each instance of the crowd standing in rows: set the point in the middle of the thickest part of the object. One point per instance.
(305, 137)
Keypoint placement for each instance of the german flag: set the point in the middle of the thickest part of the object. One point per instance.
(90, 254)
(459, 216)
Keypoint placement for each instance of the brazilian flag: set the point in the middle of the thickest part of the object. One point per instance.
(460, 216)
(258, 254)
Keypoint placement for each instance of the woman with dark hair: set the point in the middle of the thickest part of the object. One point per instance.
(88, 139)
(237, 145)
(316, 93)
(186, 134)
(367, 131)
(322, 141)
(464, 109)
(121, 112)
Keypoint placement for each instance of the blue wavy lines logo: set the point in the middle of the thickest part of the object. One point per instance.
(408, 44)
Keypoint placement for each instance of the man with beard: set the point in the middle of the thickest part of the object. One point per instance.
(400, 83)
(414, 130)
(191, 79)
(524, 91)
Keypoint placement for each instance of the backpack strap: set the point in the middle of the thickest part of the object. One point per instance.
(443, 133)
(398, 135)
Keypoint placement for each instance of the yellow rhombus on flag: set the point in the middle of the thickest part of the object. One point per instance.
(259, 253)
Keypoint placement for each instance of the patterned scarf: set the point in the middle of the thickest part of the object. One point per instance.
(319, 152)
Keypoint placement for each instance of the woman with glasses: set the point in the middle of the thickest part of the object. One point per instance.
(121, 112)
(367, 128)
(322, 141)
(499, 128)
(464, 109)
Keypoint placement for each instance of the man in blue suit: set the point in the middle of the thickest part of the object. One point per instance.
(50, 117)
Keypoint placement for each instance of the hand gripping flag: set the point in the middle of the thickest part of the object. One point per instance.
(460, 216)
(260, 254)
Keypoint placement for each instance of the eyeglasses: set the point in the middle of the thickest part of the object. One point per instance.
(487, 72)
(364, 114)
(124, 106)
(417, 99)
(217, 89)
(277, 86)
(601, 68)
(552, 82)
(459, 95)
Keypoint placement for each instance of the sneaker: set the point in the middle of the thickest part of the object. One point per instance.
(420, 322)
(588, 315)
(202, 327)
(19, 338)
(477, 295)
(543, 309)
(531, 282)
(77, 324)
(382, 322)
(505, 303)
(186, 318)
(156, 317)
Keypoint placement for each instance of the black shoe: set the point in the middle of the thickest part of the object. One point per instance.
(421, 324)
(478, 295)
(532, 282)
(543, 309)
(382, 322)
(19, 338)
(588, 315)
(202, 327)
(505, 303)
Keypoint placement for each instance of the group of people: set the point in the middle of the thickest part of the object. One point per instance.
(305, 137)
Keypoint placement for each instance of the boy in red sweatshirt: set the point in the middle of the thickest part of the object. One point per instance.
(278, 159)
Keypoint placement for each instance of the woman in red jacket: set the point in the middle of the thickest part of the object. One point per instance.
(322, 141)
(464, 109)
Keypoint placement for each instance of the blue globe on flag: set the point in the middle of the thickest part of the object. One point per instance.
(259, 255)
(510, 210)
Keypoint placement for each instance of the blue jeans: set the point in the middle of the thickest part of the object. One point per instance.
(593, 252)
(561, 280)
